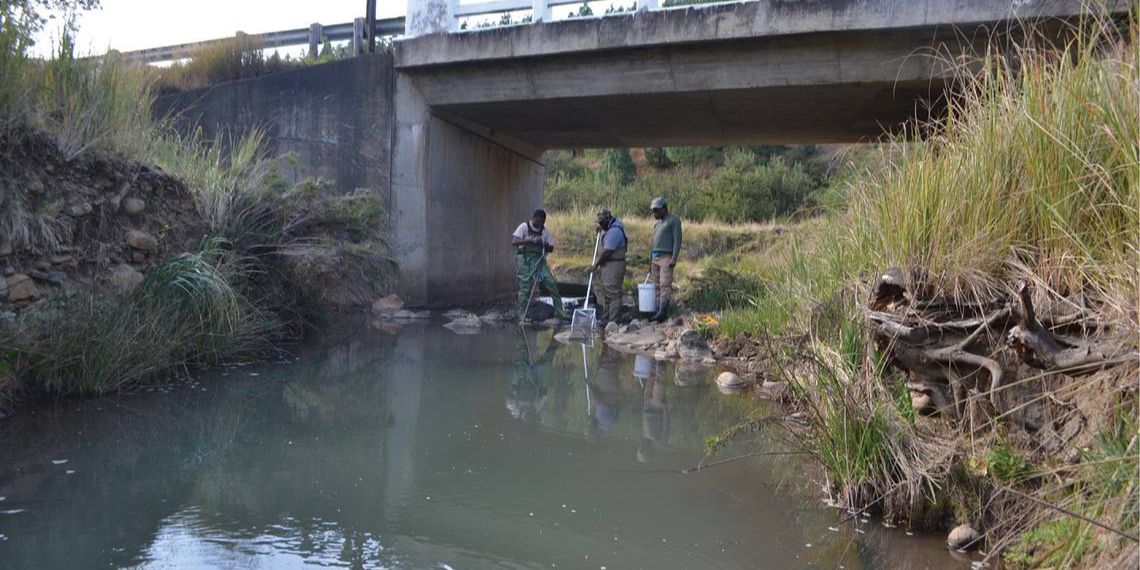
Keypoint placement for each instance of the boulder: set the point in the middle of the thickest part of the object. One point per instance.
(133, 206)
(469, 324)
(775, 390)
(612, 328)
(962, 537)
(692, 346)
(540, 312)
(921, 402)
(496, 316)
(386, 305)
(125, 278)
(643, 339)
(142, 241)
(21, 289)
(730, 381)
(80, 209)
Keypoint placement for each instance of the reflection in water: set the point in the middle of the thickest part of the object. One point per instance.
(396, 451)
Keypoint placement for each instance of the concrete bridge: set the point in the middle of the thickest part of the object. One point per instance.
(452, 127)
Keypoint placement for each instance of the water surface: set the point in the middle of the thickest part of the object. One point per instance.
(420, 448)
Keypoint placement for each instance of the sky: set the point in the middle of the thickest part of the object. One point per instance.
(136, 24)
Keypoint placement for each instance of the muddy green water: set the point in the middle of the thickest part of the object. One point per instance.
(421, 448)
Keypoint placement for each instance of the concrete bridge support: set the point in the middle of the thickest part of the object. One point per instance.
(456, 197)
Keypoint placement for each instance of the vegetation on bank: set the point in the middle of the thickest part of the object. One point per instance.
(1026, 193)
(269, 251)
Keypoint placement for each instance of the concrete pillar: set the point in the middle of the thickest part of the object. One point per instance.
(408, 198)
(541, 11)
(644, 5)
(357, 36)
(315, 33)
(430, 17)
(456, 196)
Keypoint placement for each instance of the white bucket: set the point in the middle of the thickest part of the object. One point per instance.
(647, 297)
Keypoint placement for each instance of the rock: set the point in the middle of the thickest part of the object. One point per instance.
(635, 325)
(457, 314)
(56, 278)
(62, 259)
(6, 248)
(125, 278)
(1072, 428)
(963, 536)
(141, 241)
(639, 340)
(469, 324)
(21, 288)
(80, 209)
(921, 402)
(540, 312)
(494, 316)
(692, 346)
(43, 265)
(133, 206)
(3, 289)
(612, 328)
(729, 380)
(775, 390)
(386, 305)
(406, 315)
(1073, 457)
(9, 271)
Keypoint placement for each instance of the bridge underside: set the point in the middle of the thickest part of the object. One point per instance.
(835, 113)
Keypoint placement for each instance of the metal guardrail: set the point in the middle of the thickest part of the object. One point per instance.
(313, 36)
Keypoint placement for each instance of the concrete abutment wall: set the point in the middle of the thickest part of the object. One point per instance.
(453, 195)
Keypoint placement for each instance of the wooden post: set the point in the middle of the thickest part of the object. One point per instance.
(357, 36)
(315, 32)
(370, 29)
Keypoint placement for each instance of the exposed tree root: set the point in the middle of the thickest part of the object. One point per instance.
(944, 348)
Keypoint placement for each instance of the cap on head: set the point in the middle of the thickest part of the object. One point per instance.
(658, 203)
(604, 217)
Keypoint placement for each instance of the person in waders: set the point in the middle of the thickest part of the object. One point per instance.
(664, 251)
(611, 265)
(532, 242)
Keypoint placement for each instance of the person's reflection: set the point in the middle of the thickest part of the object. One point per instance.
(654, 416)
(527, 394)
(604, 393)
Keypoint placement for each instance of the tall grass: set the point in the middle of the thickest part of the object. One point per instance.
(184, 313)
(1038, 162)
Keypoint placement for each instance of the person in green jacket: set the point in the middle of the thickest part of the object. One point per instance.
(532, 241)
(663, 252)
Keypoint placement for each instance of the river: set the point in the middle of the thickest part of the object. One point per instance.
(416, 447)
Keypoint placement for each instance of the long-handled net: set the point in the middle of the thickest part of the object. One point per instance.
(583, 320)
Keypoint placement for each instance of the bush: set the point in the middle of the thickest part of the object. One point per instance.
(618, 167)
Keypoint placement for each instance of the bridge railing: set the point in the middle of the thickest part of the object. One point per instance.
(460, 16)
(355, 32)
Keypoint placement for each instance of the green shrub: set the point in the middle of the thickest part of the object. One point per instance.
(618, 167)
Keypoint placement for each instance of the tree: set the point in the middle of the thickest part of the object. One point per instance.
(617, 165)
(20, 20)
